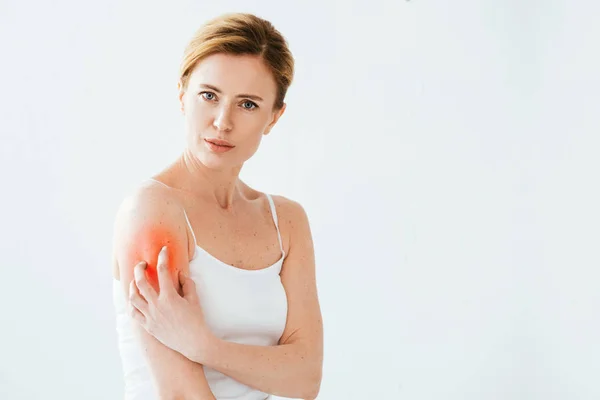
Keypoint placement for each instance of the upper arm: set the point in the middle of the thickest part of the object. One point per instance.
(145, 222)
(304, 321)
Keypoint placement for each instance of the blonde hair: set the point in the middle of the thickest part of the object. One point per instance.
(241, 34)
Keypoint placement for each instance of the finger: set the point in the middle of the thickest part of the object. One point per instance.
(180, 281)
(188, 286)
(135, 314)
(181, 277)
(165, 283)
(144, 287)
(135, 300)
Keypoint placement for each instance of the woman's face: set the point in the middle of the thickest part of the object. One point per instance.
(229, 98)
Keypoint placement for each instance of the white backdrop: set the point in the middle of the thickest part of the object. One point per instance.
(446, 153)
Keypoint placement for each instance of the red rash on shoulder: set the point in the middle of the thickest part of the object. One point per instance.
(146, 245)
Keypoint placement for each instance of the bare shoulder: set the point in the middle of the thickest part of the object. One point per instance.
(148, 215)
(293, 222)
(289, 210)
(148, 196)
(144, 205)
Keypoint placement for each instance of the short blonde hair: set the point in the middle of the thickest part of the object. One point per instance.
(240, 34)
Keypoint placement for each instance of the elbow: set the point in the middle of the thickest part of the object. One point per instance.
(313, 385)
(312, 395)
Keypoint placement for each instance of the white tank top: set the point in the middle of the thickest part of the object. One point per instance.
(241, 306)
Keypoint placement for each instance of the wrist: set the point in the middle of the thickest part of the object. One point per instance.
(211, 349)
(203, 353)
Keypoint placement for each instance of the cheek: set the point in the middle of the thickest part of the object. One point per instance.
(254, 126)
(195, 116)
(251, 145)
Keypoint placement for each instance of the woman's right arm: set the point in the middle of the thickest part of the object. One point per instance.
(147, 220)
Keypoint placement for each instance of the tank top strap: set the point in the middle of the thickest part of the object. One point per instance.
(162, 183)
(187, 220)
(274, 214)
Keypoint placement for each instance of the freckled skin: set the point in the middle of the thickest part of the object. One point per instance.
(146, 245)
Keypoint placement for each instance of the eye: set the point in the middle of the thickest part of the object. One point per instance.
(208, 95)
(249, 105)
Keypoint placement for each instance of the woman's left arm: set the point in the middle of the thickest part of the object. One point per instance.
(294, 367)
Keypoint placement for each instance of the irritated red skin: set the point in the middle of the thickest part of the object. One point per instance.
(146, 245)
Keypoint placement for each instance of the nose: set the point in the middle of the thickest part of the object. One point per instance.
(223, 120)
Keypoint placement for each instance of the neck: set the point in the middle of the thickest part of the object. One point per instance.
(223, 186)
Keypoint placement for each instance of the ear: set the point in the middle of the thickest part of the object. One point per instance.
(276, 115)
(181, 94)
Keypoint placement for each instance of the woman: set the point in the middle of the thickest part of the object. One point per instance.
(228, 308)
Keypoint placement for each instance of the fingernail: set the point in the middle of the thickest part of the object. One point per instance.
(144, 264)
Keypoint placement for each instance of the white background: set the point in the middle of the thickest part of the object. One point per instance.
(445, 151)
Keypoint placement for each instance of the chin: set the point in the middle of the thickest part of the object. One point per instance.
(214, 161)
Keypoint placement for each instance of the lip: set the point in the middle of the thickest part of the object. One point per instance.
(219, 142)
(215, 148)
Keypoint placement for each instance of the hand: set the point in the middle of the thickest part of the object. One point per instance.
(177, 322)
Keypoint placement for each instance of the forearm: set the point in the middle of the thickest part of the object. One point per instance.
(188, 394)
(282, 370)
(174, 375)
(200, 390)
(185, 384)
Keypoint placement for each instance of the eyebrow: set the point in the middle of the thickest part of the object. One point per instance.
(244, 95)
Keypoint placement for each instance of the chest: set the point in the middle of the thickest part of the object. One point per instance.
(246, 239)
